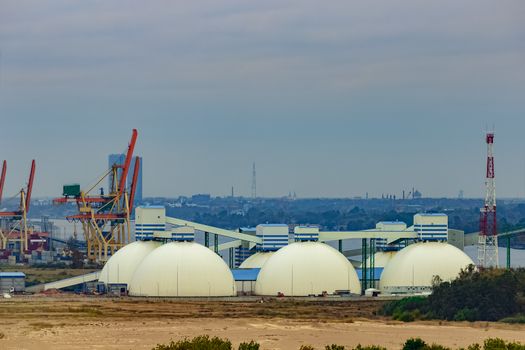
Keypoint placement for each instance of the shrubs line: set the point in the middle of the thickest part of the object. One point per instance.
(204, 342)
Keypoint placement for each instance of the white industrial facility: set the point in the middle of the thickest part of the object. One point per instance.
(277, 260)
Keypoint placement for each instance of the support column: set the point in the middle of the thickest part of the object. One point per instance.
(207, 239)
(364, 272)
(231, 258)
(216, 243)
(340, 246)
(372, 262)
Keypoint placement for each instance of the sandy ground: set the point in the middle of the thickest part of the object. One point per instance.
(99, 323)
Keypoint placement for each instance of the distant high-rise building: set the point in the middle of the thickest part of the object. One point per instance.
(120, 159)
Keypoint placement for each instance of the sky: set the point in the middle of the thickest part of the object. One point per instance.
(328, 98)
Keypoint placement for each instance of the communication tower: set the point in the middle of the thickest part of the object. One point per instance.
(488, 235)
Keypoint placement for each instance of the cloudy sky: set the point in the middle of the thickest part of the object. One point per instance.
(329, 98)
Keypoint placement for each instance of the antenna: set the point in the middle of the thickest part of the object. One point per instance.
(254, 182)
(488, 235)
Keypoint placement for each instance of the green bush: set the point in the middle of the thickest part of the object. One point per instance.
(499, 294)
(466, 314)
(203, 342)
(369, 347)
(520, 318)
(415, 344)
(334, 347)
(249, 346)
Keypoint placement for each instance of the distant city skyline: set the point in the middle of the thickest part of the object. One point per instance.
(331, 99)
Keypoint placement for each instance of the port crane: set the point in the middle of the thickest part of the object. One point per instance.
(13, 226)
(105, 218)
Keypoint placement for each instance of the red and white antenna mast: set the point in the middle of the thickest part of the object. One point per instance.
(488, 236)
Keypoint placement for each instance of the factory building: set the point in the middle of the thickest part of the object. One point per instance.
(307, 268)
(306, 233)
(431, 227)
(413, 268)
(382, 243)
(148, 220)
(244, 251)
(273, 236)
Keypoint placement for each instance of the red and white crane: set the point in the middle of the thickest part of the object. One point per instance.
(14, 223)
(105, 218)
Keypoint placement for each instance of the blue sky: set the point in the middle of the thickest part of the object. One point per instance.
(329, 98)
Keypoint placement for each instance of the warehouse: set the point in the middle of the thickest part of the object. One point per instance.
(12, 282)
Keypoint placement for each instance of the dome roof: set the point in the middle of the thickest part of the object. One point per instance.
(304, 268)
(256, 261)
(122, 265)
(182, 269)
(413, 268)
(381, 259)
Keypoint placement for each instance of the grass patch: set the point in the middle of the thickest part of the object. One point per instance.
(41, 325)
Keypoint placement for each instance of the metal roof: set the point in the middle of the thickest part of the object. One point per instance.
(432, 214)
(391, 222)
(245, 274)
(12, 275)
(273, 225)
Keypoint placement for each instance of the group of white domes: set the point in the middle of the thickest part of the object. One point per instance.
(189, 269)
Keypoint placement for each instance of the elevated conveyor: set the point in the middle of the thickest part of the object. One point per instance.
(67, 282)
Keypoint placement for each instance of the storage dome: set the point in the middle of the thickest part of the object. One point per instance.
(305, 268)
(381, 259)
(122, 265)
(256, 261)
(185, 269)
(412, 269)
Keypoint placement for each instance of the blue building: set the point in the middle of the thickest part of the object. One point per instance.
(120, 159)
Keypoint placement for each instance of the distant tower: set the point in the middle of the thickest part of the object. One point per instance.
(488, 236)
(254, 182)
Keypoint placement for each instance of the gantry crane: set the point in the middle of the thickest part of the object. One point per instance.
(13, 227)
(105, 219)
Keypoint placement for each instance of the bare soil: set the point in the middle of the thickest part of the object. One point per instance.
(65, 321)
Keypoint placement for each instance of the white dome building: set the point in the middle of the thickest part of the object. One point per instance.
(305, 268)
(122, 265)
(182, 269)
(381, 259)
(256, 261)
(412, 269)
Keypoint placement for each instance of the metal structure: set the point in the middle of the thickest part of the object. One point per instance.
(105, 219)
(488, 237)
(14, 227)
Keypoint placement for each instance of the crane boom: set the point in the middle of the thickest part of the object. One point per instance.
(30, 185)
(134, 183)
(127, 163)
(2, 179)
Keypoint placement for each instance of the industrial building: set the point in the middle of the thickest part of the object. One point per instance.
(12, 282)
(165, 261)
